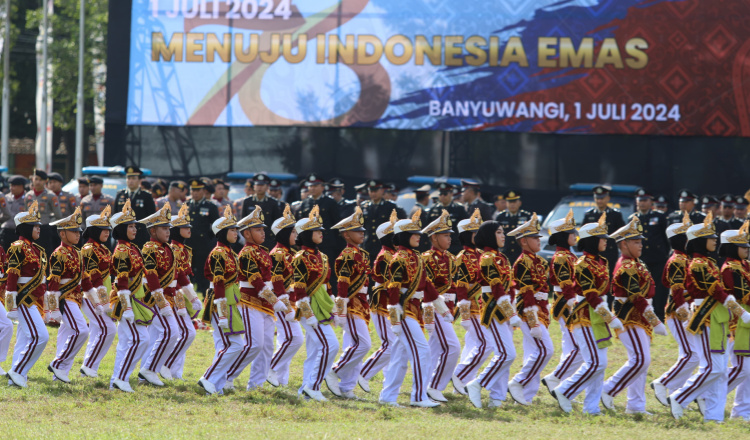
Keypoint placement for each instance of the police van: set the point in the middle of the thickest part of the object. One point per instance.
(114, 179)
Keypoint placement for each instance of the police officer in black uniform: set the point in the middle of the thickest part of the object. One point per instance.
(723, 221)
(203, 212)
(329, 214)
(269, 205)
(304, 193)
(457, 213)
(510, 219)
(687, 204)
(141, 201)
(614, 222)
(376, 211)
(472, 198)
(661, 204)
(335, 189)
(740, 212)
(710, 204)
(655, 245)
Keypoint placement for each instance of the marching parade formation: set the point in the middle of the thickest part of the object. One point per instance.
(151, 270)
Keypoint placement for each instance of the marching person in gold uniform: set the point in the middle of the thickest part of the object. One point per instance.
(64, 292)
(220, 307)
(127, 298)
(96, 285)
(311, 274)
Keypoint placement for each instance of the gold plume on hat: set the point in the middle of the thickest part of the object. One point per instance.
(569, 218)
(287, 211)
(394, 218)
(709, 220)
(417, 217)
(603, 219)
(314, 213)
(476, 216)
(106, 212)
(184, 210)
(686, 219)
(126, 208)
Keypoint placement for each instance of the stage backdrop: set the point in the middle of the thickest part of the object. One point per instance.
(678, 67)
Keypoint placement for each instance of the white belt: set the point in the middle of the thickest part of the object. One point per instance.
(698, 301)
(486, 289)
(417, 295)
(244, 284)
(24, 280)
(173, 283)
(541, 296)
(580, 298)
(376, 286)
(449, 297)
(363, 289)
(211, 285)
(622, 300)
(557, 288)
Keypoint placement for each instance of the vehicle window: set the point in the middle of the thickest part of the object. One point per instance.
(579, 210)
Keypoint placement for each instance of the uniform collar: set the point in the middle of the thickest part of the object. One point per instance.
(437, 251)
(561, 249)
(489, 249)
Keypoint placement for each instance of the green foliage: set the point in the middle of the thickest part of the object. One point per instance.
(63, 55)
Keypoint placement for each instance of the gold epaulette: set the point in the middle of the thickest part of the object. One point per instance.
(699, 263)
(87, 251)
(629, 268)
(559, 259)
(121, 253)
(486, 260)
(734, 265)
(219, 252)
(150, 247)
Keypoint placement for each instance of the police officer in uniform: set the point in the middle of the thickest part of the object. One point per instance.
(661, 204)
(304, 193)
(237, 204)
(277, 192)
(335, 189)
(203, 213)
(422, 197)
(268, 205)
(472, 198)
(687, 204)
(49, 209)
(655, 245)
(329, 214)
(141, 201)
(83, 189)
(96, 200)
(221, 192)
(14, 203)
(723, 221)
(375, 211)
(509, 220)
(66, 200)
(173, 197)
(740, 212)
(457, 213)
(614, 222)
(710, 204)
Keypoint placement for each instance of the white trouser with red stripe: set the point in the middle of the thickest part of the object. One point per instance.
(495, 375)
(6, 333)
(536, 355)
(262, 363)
(739, 379)
(688, 358)
(227, 348)
(590, 376)
(411, 347)
(163, 334)
(357, 344)
(102, 332)
(380, 359)
(570, 355)
(321, 346)
(257, 334)
(477, 348)
(71, 337)
(289, 339)
(132, 342)
(31, 338)
(632, 375)
(176, 360)
(445, 349)
(709, 382)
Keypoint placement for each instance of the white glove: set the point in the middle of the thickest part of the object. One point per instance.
(340, 320)
(466, 323)
(100, 310)
(515, 321)
(166, 311)
(396, 329)
(312, 321)
(430, 328)
(93, 296)
(54, 315)
(290, 316)
(183, 312)
(536, 332)
(128, 315)
(221, 307)
(12, 308)
(571, 303)
(660, 330)
(745, 317)
(279, 306)
(197, 305)
(616, 324)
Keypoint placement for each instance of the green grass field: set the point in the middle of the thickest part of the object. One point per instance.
(87, 409)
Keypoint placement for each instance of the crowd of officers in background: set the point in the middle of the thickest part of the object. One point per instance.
(207, 197)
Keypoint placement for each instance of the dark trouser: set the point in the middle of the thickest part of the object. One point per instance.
(8, 236)
(661, 293)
